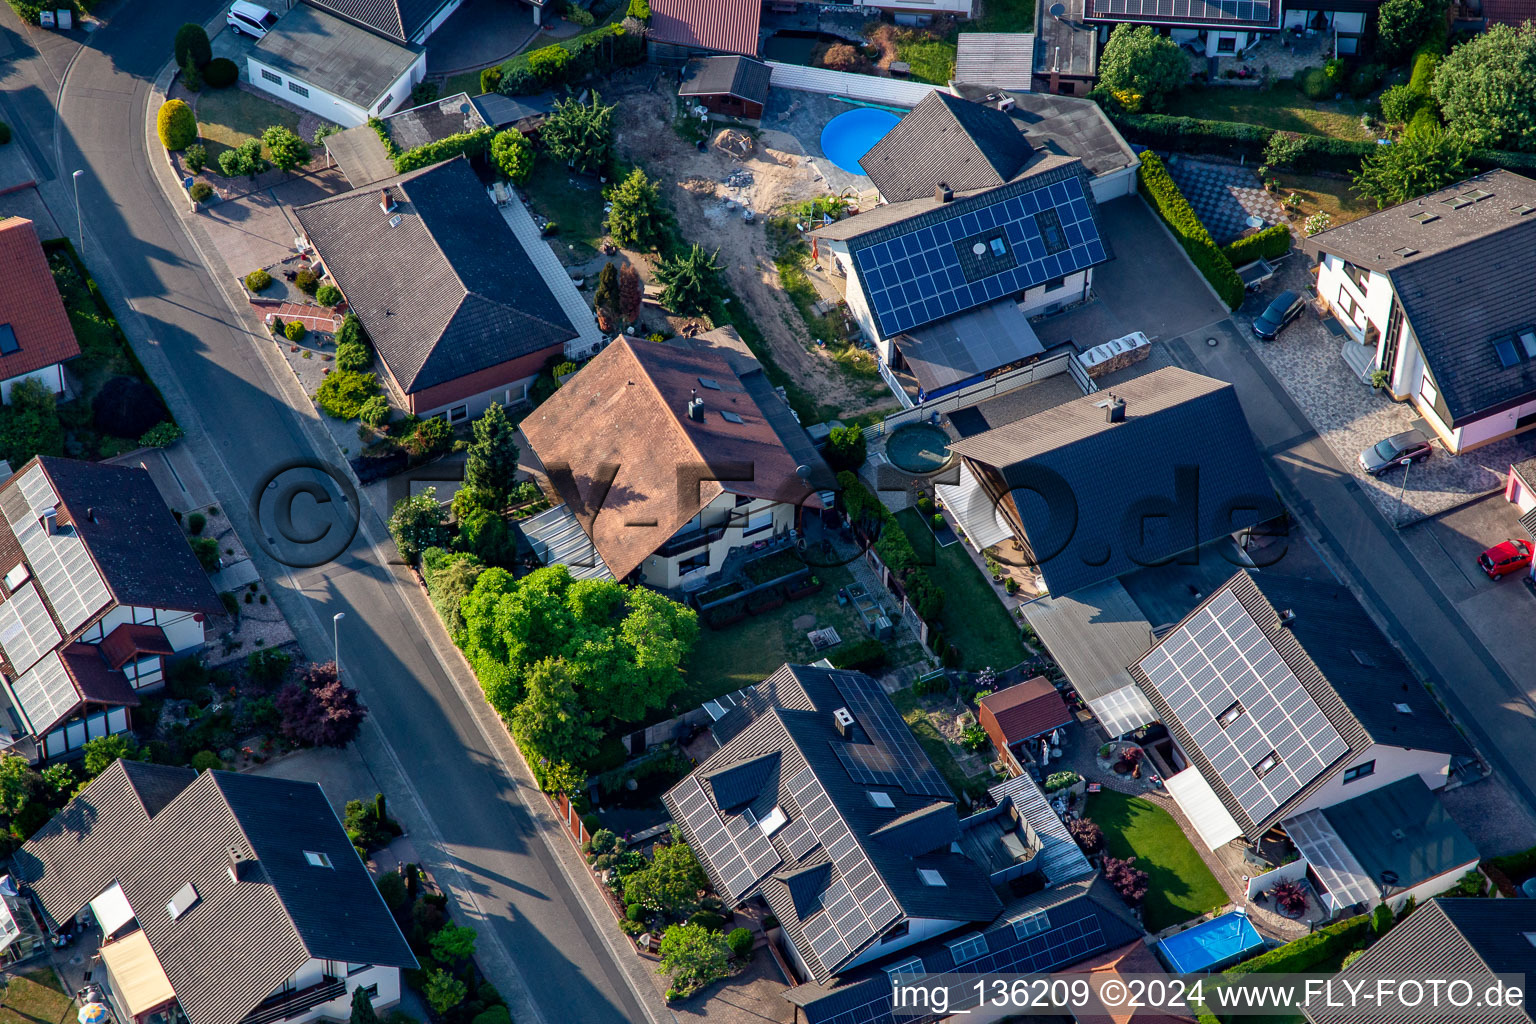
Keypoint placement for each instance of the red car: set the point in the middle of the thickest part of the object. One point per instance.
(1503, 559)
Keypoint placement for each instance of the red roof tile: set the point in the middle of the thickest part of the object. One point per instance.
(1026, 710)
(93, 680)
(1509, 12)
(729, 26)
(131, 639)
(30, 303)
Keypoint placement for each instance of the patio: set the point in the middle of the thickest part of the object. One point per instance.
(1227, 198)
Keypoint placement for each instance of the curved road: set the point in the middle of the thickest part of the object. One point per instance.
(428, 738)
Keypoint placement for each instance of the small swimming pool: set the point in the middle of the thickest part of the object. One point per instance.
(853, 133)
(918, 448)
(1217, 943)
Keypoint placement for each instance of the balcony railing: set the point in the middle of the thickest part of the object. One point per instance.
(291, 1004)
(685, 542)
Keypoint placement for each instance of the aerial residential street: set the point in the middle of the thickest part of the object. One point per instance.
(212, 374)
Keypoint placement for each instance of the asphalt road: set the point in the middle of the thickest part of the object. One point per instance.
(242, 422)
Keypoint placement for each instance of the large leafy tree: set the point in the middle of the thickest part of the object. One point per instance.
(288, 150)
(513, 154)
(670, 884)
(1423, 160)
(493, 454)
(1401, 25)
(636, 212)
(1486, 89)
(691, 281)
(580, 135)
(19, 784)
(550, 722)
(1141, 67)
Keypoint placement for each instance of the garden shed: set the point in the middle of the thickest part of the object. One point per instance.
(733, 85)
(1019, 714)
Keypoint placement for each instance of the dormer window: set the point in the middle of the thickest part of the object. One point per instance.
(318, 859)
(880, 798)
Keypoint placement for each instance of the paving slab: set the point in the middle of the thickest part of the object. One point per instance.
(1225, 197)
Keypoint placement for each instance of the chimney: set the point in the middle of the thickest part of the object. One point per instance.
(847, 728)
(386, 203)
(1287, 618)
(241, 861)
(1114, 410)
(943, 193)
(51, 520)
(696, 407)
(90, 513)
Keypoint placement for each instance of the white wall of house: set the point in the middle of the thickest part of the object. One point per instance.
(436, 22)
(1353, 306)
(758, 519)
(328, 105)
(1430, 888)
(399, 93)
(796, 959)
(919, 929)
(1115, 184)
(386, 978)
(51, 376)
(1392, 764)
(1071, 288)
(1219, 43)
(182, 630)
(74, 734)
(1492, 427)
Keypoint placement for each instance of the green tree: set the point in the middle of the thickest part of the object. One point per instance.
(417, 523)
(1283, 149)
(563, 777)
(29, 424)
(1401, 25)
(176, 124)
(19, 784)
(513, 154)
(631, 293)
(640, 10)
(443, 991)
(606, 295)
(1141, 67)
(550, 722)
(691, 281)
(670, 884)
(1486, 88)
(693, 957)
(244, 159)
(289, 152)
(492, 462)
(59, 779)
(192, 45)
(846, 448)
(453, 943)
(1423, 160)
(362, 1002)
(579, 135)
(484, 533)
(634, 219)
(375, 411)
(103, 751)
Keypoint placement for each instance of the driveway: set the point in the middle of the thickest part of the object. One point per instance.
(480, 33)
(258, 229)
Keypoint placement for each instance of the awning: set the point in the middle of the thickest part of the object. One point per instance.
(558, 539)
(1123, 710)
(112, 910)
(1203, 808)
(1529, 522)
(978, 514)
(1335, 867)
(138, 981)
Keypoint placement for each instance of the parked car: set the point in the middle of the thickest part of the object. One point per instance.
(250, 19)
(1383, 455)
(1286, 307)
(1502, 559)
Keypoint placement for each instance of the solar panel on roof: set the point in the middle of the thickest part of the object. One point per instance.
(27, 631)
(739, 853)
(59, 560)
(895, 758)
(8, 342)
(45, 693)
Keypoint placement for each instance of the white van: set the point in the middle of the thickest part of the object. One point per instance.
(249, 19)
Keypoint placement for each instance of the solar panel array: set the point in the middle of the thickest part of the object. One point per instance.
(857, 906)
(45, 693)
(1184, 10)
(59, 560)
(917, 278)
(798, 838)
(1219, 657)
(27, 631)
(894, 759)
(740, 853)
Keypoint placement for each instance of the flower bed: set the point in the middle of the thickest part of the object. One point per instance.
(776, 566)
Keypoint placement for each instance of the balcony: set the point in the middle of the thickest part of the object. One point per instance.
(683, 543)
(291, 1004)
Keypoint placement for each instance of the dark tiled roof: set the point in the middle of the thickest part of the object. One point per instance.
(1513, 13)
(946, 139)
(31, 310)
(446, 292)
(733, 75)
(399, 20)
(1066, 125)
(154, 829)
(137, 545)
(1179, 426)
(1444, 938)
(94, 680)
(1465, 281)
(359, 152)
(1027, 709)
(1403, 828)
(1213, 13)
(335, 55)
(729, 26)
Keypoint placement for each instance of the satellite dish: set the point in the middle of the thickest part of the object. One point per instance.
(979, 248)
(1057, 10)
(803, 472)
(464, 108)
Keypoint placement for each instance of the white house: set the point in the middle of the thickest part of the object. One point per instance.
(36, 338)
(1439, 290)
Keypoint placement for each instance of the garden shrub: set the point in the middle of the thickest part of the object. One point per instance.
(707, 919)
(375, 411)
(206, 759)
(124, 407)
(1399, 103)
(353, 355)
(200, 191)
(207, 551)
(295, 330)
(343, 393)
(1270, 243)
(306, 281)
(598, 51)
(328, 295)
(1364, 80)
(195, 157)
(635, 912)
(176, 124)
(258, 280)
(161, 435)
(191, 46)
(490, 79)
(1316, 84)
(493, 1015)
(740, 940)
(893, 546)
(863, 656)
(1308, 951)
(196, 523)
(469, 144)
(1160, 190)
(221, 73)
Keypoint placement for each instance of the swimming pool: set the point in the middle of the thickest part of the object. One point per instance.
(1217, 943)
(853, 133)
(918, 448)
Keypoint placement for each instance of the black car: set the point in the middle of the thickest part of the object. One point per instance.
(1286, 307)
(1383, 455)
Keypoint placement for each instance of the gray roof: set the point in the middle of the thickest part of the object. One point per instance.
(731, 75)
(153, 829)
(399, 20)
(1464, 279)
(1069, 126)
(360, 152)
(337, 56)
(500, 111)
(1403, 828)
(448, 291)
(1002, 60)
(781, 739)
(1442, 938)
(1065, 44)
(1182, 434)
(959, 348)
(945, 139)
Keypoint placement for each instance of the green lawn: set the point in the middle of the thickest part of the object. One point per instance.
(1320, 193)
(573, 201)
(35, 997)
(464, 81)
(1179, 885)
(228, 117)
(1003, 16)
(932, 60)
(1281, 107)
(973, 619)
(928, 737)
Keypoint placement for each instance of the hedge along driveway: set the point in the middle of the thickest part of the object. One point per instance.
(1179, 885)
(1159, 189)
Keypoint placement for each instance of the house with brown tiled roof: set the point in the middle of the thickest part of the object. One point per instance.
(99, 588)
(1017, 716)
(36, 339)
(669, 456)
(680, 29)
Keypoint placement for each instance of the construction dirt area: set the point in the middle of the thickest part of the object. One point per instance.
(708, 191)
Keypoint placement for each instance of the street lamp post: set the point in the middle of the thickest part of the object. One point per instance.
(336, 639)
(79, 216)
(1398, 515)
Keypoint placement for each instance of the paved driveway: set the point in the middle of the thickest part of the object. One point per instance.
(480, 33)
(258, 229)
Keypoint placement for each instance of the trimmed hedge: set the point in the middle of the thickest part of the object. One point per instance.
(466, 143)
(1159, 189)
(865, 655)
(598, 51)
(1309, 950)
(221, 73)
(1271, 243)
(893, 546)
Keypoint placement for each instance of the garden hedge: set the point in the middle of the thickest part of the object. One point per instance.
(468, 143)
(1271, 243)
(599, 51)
(864, 655)
(1310, 950)
(893, 547)
(1159, 189)
(221, 73)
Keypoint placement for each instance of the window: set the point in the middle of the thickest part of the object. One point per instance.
(997, 247)
(372, 991)
(730, 417)
(1358, 275)
(898, 931)
(295, 87)
(710, 383)
(1031, 924)
(914, 965)
(776, 820)
(1403, 709)
(1427, 391)
(880, 798)
(517, 394)
(744, 499)
(1055, 283)
(1226, 44)
(1359, 771)
(931, 877)
(186, 897)
(967, 947)
(1363, 659)
(354, 968)
(757, 522)
(318, 859)
(457, 413)
(8, 343)
(1048, 222)
(389, 98)
(1267, 765)
(272, 77)
(1348, 304)
(1230, 715)
(1528, 342)
(1504, 348)
(698, 560)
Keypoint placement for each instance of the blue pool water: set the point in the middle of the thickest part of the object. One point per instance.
(1218, 942)
(853, 133)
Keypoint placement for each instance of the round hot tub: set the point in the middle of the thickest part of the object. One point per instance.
(918, 448)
